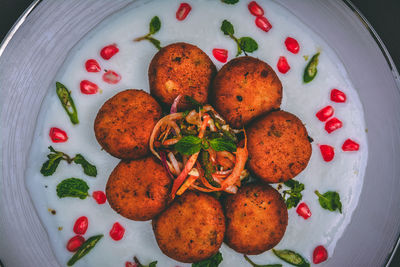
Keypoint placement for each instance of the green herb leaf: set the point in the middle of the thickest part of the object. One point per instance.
(248, 44)
(330, 201)
(188, 145)
(230, 2)
(67, 102)
(214, 261)
(294, 193)
(155, 42)
(72, 187)
(193, 102)
(258, 265)
(155, 25)
(84, 249)
(50, 166)
(88, 168)
(311, 69)
(227, 28)
(153, 264)
(222, 144)
(291, 257)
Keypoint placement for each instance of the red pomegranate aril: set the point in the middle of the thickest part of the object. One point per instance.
(57, 135)
(109, 51)
(111, 77)
(338, 96)
(183, 11)
(325, 113)
(220, 54)
(292, 45)
(320, 254)
(282, 65)
(303, 210)
(75, 243)
(92, 65)
(99, 196)
(263, 24)
(130, 264)
(350, 145)
(88, 88)
(327, 152)
(81, 225)
(333, 124)
(117, 231)
(255, 9)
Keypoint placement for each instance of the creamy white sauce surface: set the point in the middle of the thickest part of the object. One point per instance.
(202, 28)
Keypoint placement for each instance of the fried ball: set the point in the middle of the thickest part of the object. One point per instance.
(124, 123)
(138, 189)
(244, 89)
(256, 219)
(181, 68)
(279, 147)
(192, 229)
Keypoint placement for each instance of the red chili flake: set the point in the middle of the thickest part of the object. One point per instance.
(325, 113)
(333, 124)
(338, 96)
(57, 135)
(75, 243)
(320, 255)
(92, 65)
(109, 51)
(263, 24)
(99, 196)
(283, 65)
(183, 11)
(292, 45)
(303, 210)
(350, 145)
(130, 264)
(220, 54)
(88, 88)
(327, 152)
(81, 225)
(255, 9)
(111, 77)
(117, 231)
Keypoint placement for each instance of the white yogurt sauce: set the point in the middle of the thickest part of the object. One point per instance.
(202, 28)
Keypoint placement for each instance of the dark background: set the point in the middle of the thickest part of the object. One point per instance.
(384, 15)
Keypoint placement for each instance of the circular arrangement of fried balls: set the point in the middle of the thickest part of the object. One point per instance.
(124, 124)
(138, 189)
(256, 219)
(192, 229)
(279, 147)
(181, 68)
(244, 89)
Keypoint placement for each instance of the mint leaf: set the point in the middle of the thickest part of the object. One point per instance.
(155, 25)
(72, 187)
(50, 166)
(153, 264)
(88, 168)
(248, 44)
(227, 28)
(291, 257)
(188, 145)
(84, 249)
(222, 144)
(329, 201)
(214, 261)
(258, 265)
(155, 42)
(230, 2)
(294, 193)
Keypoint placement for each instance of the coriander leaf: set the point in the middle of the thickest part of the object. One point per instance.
(50, 166)
(329, 201)
(227, 28)
(84, 249)
(88, 168)
(248, 44)
(72, 187)
(188, 145)
(294, 193)
(155, 25)
(230, 2)
(258, 265)
(155, 42)
(291, 257)
(214, 261)
(222, 144)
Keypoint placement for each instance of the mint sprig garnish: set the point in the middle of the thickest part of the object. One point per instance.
(329, 200)
(191, 144)
(151, 264)
(294, 193)
(88, 169)
(213, 261)
(244, 44)
(154, 27)
(72, 187)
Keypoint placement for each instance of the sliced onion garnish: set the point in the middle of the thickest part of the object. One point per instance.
(165, 164)
(231, 189)
(174, 162)
(224, 172)
(174, 106)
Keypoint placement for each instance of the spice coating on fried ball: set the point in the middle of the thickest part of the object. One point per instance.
(256, 219)
(138, 189)
(192, 229)
(244, 89)
(124, 124)
(181, 68)
(278, 145)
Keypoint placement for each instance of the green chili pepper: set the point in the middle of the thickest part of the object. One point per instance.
(84, 249)
(67, 102)
(291, 257)
(208, 168)
(311, 69)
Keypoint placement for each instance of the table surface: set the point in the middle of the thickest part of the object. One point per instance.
(383, 17)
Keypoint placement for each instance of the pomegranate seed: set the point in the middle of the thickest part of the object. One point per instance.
(57, 135)
(333, 124)
(292, 45)
(111, 77)
(220, 54)
(283, 65)
(327, 152)
(117, 231)
(92, 65)
(325, 113)
(255, 9)
(183, 11)
(303, 210)
(338, 96)
(320, 255)
(88, 88)
(81, 225)
(109, 51)
(263, 24)
(100, 197)
(75, 243)
(130, 264)
(350, 145)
